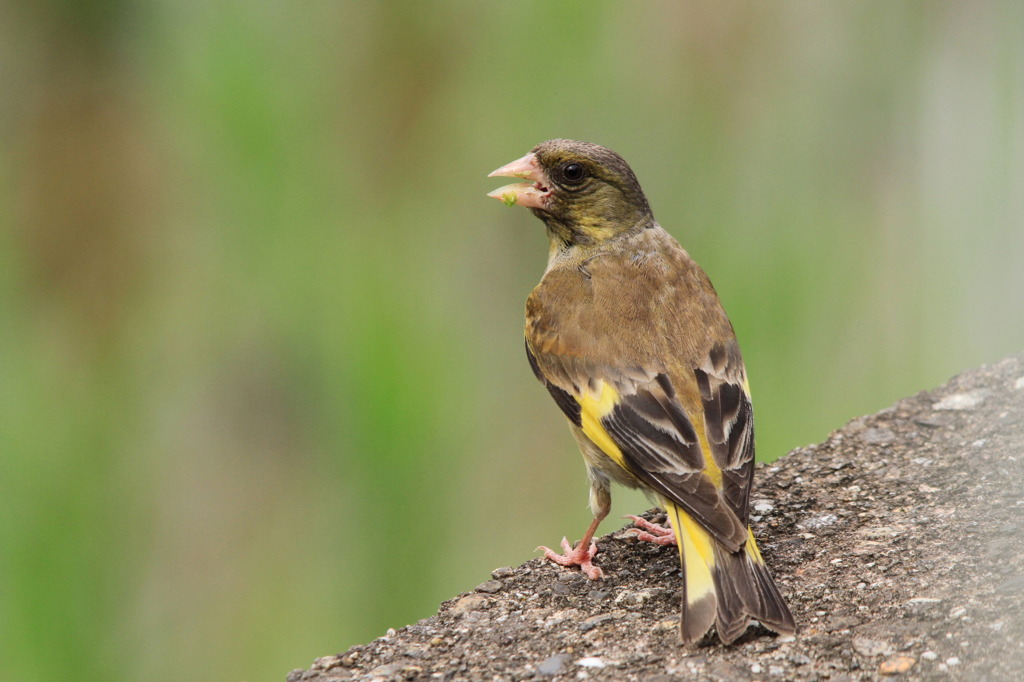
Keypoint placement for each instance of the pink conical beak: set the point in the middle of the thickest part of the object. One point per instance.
(532, 194)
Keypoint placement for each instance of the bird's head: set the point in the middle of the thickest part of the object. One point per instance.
(583, 192)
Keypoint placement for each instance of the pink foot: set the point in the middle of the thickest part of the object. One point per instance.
(580, 556)
(659, 535)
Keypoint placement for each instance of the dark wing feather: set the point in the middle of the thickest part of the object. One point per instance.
(661, 448)
(565, 402)
(729, 426)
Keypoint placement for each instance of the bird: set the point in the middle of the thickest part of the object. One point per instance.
(627, 334)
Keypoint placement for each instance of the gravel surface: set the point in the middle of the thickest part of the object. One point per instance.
(899, 543)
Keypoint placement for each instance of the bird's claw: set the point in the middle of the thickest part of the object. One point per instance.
(651, 532)
(579, 556)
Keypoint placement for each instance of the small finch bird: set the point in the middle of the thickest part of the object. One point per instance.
(628, 335)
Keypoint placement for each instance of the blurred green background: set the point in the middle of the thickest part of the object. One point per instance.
(263, 392)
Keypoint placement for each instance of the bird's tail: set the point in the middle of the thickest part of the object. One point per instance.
(722, 587)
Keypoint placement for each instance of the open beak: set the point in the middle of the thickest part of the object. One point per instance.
(532, 194)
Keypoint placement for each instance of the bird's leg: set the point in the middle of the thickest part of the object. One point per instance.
(652, 532)
(583, 554)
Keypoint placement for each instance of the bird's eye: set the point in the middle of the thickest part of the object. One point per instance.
(573, 173)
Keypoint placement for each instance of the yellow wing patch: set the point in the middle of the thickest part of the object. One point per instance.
(592, 411)
(752, 549)
(711, 468)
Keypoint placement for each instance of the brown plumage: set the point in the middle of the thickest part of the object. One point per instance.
(627, 334)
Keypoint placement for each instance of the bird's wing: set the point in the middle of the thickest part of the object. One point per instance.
(687, 434)
(729, 425)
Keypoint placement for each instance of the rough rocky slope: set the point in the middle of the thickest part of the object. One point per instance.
(899, 543)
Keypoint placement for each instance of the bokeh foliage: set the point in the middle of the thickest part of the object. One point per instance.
(262, 386)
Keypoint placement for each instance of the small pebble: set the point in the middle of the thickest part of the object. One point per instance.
(819, 521)
(931, 422)
(923, 601)
(594, 621)
(929, 655)
(666, 625)
(386, 670)
(869, 648)
(470, 602)
(961, 401)
(503, 572)
(879, 436)
(637, 597)
(952, 661)
(590, 662)
(553, 665)
(328, 662)
(756, 668)
(489, 587)
(896, 665)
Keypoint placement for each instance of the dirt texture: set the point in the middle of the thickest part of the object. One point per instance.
(899, 543)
